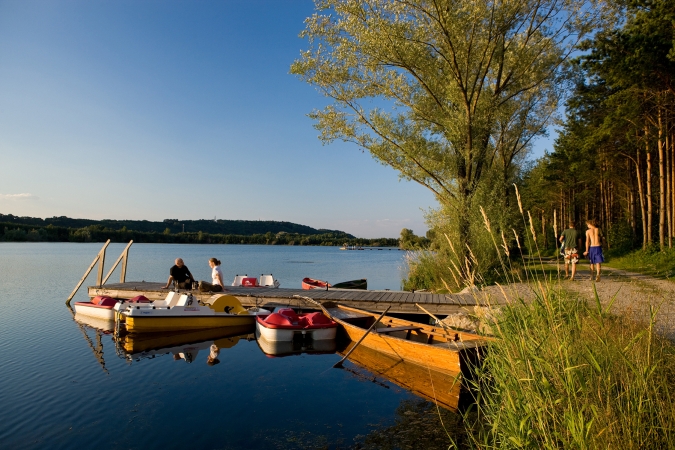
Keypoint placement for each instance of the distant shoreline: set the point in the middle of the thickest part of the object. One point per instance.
(17, 232)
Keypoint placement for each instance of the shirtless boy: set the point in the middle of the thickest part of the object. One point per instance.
(594, 247)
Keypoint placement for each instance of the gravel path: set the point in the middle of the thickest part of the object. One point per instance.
(634, 293)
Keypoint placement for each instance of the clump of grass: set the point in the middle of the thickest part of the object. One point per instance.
(564, 373)
(651, 261)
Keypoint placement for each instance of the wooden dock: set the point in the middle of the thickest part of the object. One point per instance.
(400, 301)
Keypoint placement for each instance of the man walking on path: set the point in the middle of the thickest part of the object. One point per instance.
(571, 240)
(594, 247)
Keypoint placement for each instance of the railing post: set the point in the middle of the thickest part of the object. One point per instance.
(124, 256)
(99, 258)
(123, 272)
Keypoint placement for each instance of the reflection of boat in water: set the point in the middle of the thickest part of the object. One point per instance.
(427, 345)
(104, 325)
(179, 312)
(442, 388)
(183, 345)
(294, 347)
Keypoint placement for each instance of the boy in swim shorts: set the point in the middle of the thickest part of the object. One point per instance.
(594, 247)
(571, 240)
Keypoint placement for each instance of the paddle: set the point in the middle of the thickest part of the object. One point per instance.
(339, 363)
(445, 327)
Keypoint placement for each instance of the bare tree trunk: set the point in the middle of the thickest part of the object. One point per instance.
(672, 176)
(662, 182)
(649, 188)
(641, 196)
(669, 204)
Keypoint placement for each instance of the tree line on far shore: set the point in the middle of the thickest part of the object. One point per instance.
(14, 232)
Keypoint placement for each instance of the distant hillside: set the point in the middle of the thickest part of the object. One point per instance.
(226, 227)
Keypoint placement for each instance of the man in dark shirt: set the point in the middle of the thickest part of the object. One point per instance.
(181, 275)
(571, 239)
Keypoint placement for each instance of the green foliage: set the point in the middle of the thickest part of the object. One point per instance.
(238, 227)
(409, 241)
(99, 233)
(562, 373)
(426, 270)
(449, 94)
(651, 261)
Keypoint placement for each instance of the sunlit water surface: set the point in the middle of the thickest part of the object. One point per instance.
(57, 392)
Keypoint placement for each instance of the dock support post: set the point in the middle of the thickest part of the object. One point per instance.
(99, 259)
(124, 256)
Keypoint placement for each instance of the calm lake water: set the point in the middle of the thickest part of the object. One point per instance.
(65, 385)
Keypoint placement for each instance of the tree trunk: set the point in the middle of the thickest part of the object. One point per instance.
(662, 183)
(650, 214)
(669, 205)
(641, 196)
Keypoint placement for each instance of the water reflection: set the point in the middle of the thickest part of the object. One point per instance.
(297, 346)
(183, 346)
(442, 388)
(99, 327)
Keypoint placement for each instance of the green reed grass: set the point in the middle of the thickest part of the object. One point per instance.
(563, 372)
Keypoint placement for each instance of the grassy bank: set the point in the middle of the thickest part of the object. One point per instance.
(652, 261)
(564, 373)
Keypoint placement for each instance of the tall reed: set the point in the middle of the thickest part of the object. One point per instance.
(563, 372)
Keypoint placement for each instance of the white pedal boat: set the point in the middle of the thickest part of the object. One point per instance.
(185, 312)
(103, 307)
(267, 281)
(285, 324)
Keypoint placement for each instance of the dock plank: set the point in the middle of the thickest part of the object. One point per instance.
(377, 301)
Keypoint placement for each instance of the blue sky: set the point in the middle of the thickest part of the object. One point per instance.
(178, 109)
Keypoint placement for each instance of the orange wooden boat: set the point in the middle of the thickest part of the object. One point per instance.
(426, 345)
(311, 283)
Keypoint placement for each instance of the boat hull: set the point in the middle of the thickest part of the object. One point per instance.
(426, 346)
(295, 347)
(311, 283)
(287, 335)
(353, 284)
(95, 311)
(141, 324)
(104, 325)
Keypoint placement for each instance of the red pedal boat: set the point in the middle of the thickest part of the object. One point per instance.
(284, 324)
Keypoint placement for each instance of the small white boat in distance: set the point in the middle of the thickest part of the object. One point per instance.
(264, 281)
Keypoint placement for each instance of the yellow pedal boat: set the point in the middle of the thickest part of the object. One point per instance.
(184, 312)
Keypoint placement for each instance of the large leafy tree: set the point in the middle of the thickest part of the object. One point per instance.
(449, 93)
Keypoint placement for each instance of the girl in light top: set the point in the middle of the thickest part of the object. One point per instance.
(217, 284)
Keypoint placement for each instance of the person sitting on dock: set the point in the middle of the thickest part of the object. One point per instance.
(217, 284)
(180, 275)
